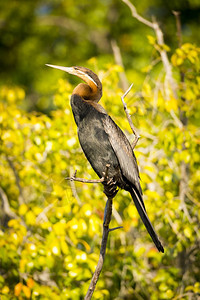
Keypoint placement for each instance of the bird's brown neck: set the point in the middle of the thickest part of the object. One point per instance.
(87, 92)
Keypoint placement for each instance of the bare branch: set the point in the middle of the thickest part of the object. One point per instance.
(42, 215)
(106, 230)
(129, 118)
(136, 15)
(165, 60)
(73, 188)
(117, 216)
(103, 179)
(74, 178)
(154, 25)
(5, 205)
(178, 26)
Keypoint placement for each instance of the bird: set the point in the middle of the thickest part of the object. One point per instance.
(104, 143)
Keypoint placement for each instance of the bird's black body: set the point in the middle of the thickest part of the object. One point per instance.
(96, 146)
(98, 135)
(103, 142)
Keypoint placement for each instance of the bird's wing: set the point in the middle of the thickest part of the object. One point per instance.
(123, 151)
(129, 168)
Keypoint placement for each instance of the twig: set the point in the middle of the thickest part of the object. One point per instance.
(129, 118)
(103, 179)
(115, 228)
(74, 191)
(42, 215)
(74, 178)
(136, 15)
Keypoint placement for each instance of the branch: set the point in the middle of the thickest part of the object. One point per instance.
(5, 205)
(159, 35)
(136, 15)
(178, 27)
(103, 179)
(129, 118)
(74, 191)
(106, 230)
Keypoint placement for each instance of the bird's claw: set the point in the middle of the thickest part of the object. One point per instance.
(110, 188)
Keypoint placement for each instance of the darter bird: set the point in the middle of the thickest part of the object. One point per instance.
(103, 142)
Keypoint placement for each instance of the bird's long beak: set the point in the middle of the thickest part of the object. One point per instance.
(69, 70)
(74, 71)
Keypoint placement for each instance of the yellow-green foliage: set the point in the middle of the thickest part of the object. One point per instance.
(49, 248)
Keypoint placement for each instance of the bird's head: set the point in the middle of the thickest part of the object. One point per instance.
(94, 92)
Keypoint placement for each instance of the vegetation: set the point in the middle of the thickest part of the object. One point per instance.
(51, 228)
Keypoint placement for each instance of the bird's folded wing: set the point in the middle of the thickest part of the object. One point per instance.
(123, 151)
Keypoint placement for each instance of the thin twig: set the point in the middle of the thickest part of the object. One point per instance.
(74, 178)
(129, 118)
(73, 188)
(104, 178)
(115, 228)
(42, 215)
(136, 15)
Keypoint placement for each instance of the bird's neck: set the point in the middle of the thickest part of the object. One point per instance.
(87, 92)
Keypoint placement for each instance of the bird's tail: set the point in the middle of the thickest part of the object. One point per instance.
(137, 198)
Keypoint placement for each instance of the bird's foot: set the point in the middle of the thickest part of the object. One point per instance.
(110, 188)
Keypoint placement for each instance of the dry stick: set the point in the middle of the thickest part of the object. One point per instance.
(73, 188)
(74, 178)
(129, 118)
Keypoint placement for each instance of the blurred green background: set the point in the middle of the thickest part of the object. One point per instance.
(50, 228)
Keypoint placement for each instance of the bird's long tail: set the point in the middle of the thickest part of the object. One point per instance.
(137, 198)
